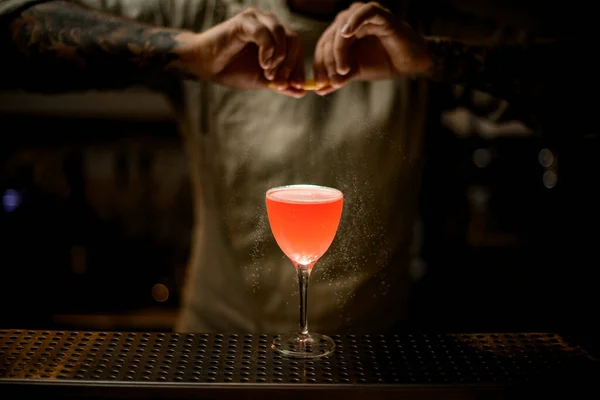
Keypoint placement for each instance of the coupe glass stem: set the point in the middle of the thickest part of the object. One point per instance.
(303, 276)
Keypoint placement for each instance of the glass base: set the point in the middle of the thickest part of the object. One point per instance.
(313, 345)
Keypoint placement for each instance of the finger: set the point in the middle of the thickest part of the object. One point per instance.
(252, 31)
(292, 92)
(287, 90)
(368, 13)
(338, 82)
(279, 35)
(270, 73)
(290, 60)
(329, 62)
(326, 90)
(341, 47)
(368, 29)
(319, 70)
(307, 85)
(298, 75)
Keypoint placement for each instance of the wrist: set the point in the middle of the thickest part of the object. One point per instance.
(193, 56)
(436, 69)
(411, 55)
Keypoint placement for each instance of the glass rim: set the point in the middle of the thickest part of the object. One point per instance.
(305, 186)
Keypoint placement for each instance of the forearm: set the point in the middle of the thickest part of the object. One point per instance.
(62, 46)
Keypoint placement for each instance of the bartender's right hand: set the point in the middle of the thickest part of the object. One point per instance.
(249, 51)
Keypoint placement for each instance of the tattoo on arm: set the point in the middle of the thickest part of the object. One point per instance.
(59, 45)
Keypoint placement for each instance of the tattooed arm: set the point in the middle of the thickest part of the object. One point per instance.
(368, 42)
(510, 72)
(516, 51)
(542, 78)
(536, 55)
(554, 82)
(60, 46)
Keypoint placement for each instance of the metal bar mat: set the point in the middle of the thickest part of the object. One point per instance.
(125, 358)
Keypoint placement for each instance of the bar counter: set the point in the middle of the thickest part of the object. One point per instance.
(69, 364)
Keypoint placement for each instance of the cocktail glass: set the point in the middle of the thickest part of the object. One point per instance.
(304, 220)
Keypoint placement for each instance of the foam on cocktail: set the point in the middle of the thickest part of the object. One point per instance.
(306, 195)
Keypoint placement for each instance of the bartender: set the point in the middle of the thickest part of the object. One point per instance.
(235, 73)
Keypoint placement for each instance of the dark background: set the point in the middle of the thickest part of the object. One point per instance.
(96, 216)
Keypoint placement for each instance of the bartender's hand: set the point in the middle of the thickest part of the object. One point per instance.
(366, 42)
(249, 51)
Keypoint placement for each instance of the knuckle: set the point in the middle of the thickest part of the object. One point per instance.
(378, 7)
(248, 12)
(373, 7)
(258, 31)
(342, 16)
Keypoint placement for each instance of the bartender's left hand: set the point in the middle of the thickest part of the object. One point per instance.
(366, 42)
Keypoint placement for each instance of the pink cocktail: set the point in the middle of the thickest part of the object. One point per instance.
(304, 220)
